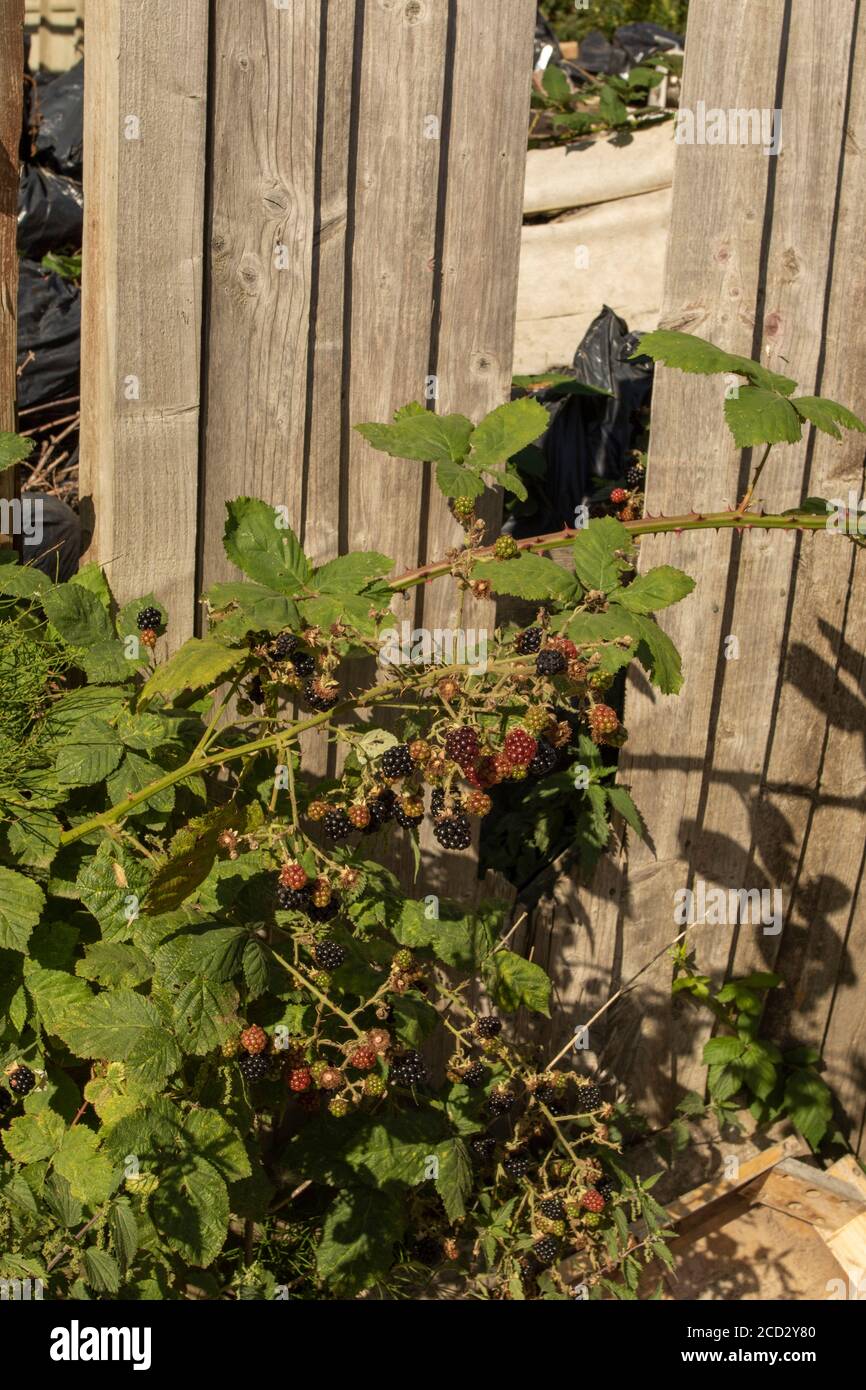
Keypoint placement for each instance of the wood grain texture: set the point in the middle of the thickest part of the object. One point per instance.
(11, 22)
(264, 87)
(142, 289)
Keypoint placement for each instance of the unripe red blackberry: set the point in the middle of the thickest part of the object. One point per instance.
(359, 815)
(293, 875)
(254, 1039)
(462, 745)
(618, 495)
(503, 765)
(362, 1058)
(317, 810)
(519, 747)
(299, 1079)
(149, 636)
(628, 514)
(477, 803)
(592, 1200)
(602, 721)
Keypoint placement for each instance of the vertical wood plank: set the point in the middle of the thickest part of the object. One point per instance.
(144, 145)
(11, 86)
(486, 140)
(262, 180)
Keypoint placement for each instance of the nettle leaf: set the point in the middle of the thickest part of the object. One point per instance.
(21, 904)
(758, 416)
(602, 552)
(656, 589)
(827, 415)
(124, 1232)
(420, 434)
(258, 542)
(514, 981)
(351, 573)
(78, 615)
(526, 576)
(358, 1237)
(556, 84)
(190, 1209)
(101, 1270)
(611, 108)
(14, 448)
(504, 432)
(92, 753)
(453, 480)
(689, 353)
(91, 1176)
(199, 664)
(622, 803)
(121, 1025)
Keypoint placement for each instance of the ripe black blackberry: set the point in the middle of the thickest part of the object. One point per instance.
(408, 1069)
(21, 1081)
(397, 761)
(321, 697)
(552, 1208)
(546, 759)
(550, 662)
(304, 664)
(588, 1098)
(382, 808)
(148, 618)
(324, 913)
(285, 646)
(518, 1163)
(453, 832)
(336, 825)
(462, 745)
(545, 1093)
(635, 476)
(500, 1102)
(254, 1068)
(483, 1146)
(545, 1251)
(606, 1188)
(293, 899)
(476, 1075)
(488, 1026)
(528, 641)
(329, 955)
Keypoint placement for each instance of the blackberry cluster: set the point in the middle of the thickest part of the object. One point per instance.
(550, 662)
(254, 1067)
(476, 1075)
(545, 1251)
(462, 746)
(329, 955)
(405, 820)
(285, 646)
(546, 759)
(483, 1146)
(606, 1188)
(321, 697)
(408, 1070)
(337, 825)
(529, 641)
(488, 1027)
(148, 618)
(304, 664)
(518, 1163)
(382, 809)
(397, 761)
(552, 1208)
(21, 1081)
(588, 1098)
(293, 899)
(453, 832)
(545, 1093)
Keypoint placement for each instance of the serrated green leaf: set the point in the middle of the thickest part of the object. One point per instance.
(453, 480)
(124, 1232)
(351, 573)
(688, 353)
(213, 1139)
(656, 589)
(827, 415)
(422, 436)
(414, 1019)
(56, 994)
(356, 1247)
(205, 1015)
(101, 1270)
(21, 903)
(77, 615)
(809, 1103)
(92, 754)
(723, 1049)
(190, 1209)
(110, 885)
(113, 963)
(556, 85)
(454, 1178)
(611, 108)
(504, 432)
(31, 1138)
(526, 576)
(514, 981)
(602, 551)
(200, 664)
(34, 838)
(658, 655)
(605, 628)
(257, 541)
(757, 416)
(91, 1177)
(622, 803)
(121, 1025)
(14, 448)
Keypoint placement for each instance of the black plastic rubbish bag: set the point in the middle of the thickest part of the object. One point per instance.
(49, 327)
(600, 57)
(642, 41)
(50, 212)
(58, 109)
(57, 549)
(590, 436)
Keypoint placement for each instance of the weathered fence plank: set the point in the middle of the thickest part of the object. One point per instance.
(144, 144)
(11, 20)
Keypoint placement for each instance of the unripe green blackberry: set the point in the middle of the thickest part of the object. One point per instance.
(374, 1086)
(403, 960)
(463, 509)
(338, 1106)
(506, 548)
(536, 719)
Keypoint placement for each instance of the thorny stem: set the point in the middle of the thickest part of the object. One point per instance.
(750, 492)
(323, 998)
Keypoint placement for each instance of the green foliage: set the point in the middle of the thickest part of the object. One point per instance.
(570, 22)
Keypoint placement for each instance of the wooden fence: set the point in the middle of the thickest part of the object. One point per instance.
(754, 776)
(56, 28)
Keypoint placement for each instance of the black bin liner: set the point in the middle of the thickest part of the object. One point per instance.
(50, 212)
(49, 326)
(59, 105)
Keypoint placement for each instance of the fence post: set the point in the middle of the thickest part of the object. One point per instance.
(11, 90)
